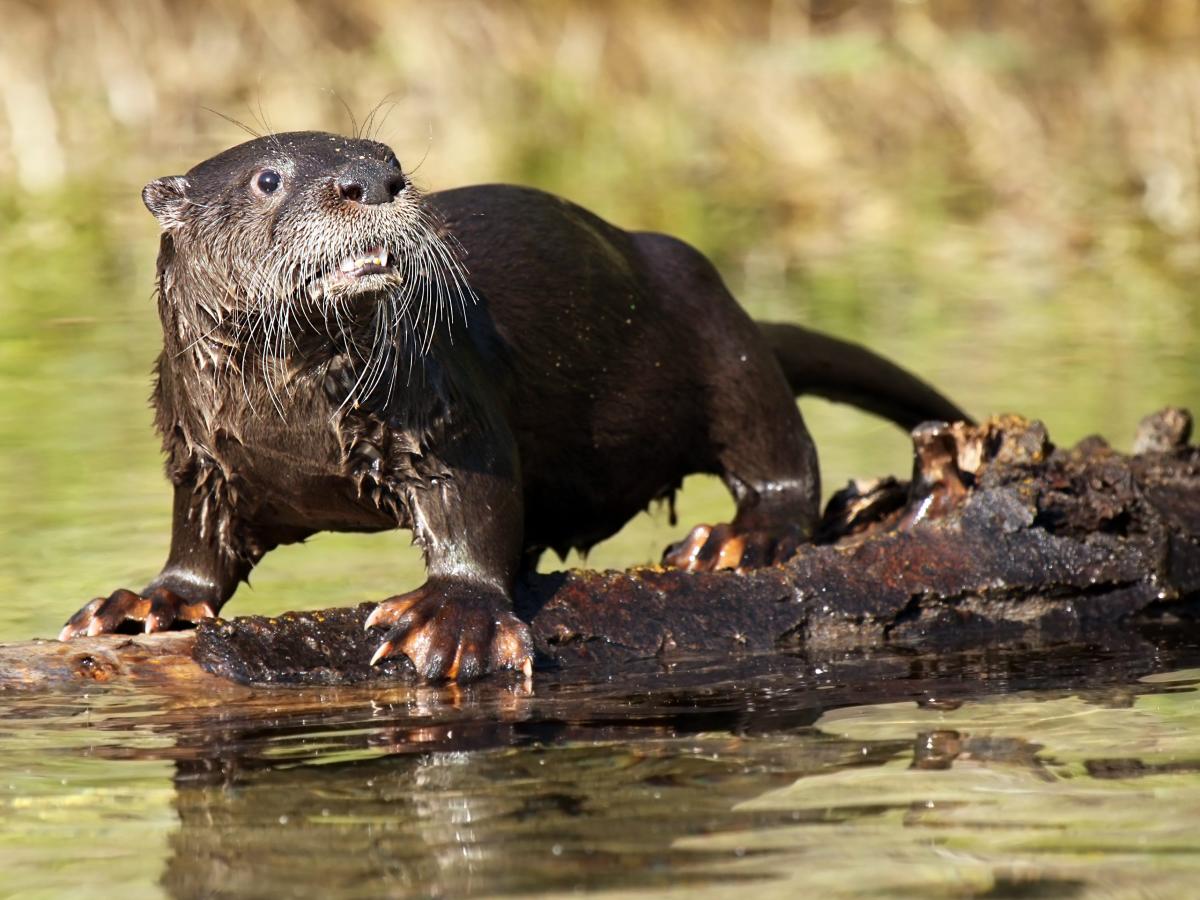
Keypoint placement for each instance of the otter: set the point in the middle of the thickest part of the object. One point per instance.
(493, 368)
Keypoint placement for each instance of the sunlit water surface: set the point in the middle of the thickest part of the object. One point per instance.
(998, 775)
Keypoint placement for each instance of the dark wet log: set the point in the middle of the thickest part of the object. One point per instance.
(1000, 539)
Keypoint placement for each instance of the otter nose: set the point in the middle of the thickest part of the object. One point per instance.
(368, 181)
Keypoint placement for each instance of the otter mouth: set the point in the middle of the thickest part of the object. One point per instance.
(357, 273)
(376, 261)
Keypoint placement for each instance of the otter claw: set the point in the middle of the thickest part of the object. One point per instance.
(159, 609)
(390, 611)
(453, 631)
(75, 624)
(710, 549)
(385, 650)
(161, 615)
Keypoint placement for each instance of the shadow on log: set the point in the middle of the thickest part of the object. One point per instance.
(999, 539)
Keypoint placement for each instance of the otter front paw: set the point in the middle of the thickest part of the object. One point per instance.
(159, 609)
(453, 630)
(708, 548)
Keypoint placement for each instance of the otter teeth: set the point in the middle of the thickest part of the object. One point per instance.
(352, 273)
(374, 260)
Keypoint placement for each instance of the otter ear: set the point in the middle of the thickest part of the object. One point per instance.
(167, 199)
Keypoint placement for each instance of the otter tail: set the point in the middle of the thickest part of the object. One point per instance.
(848, 373)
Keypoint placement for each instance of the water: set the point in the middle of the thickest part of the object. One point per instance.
(996, 774)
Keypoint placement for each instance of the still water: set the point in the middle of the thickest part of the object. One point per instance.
(996, 774)
(999, 775)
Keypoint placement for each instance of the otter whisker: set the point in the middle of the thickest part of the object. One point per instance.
(368, 130)
(232, 121)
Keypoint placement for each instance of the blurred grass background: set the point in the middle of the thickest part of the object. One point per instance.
(1004, 195)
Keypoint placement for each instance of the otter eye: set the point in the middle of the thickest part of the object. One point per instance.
(268, 181)
(393, 162)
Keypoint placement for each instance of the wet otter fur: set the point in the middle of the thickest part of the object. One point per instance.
(492, 367)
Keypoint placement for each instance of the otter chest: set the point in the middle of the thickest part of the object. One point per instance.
(303, 465)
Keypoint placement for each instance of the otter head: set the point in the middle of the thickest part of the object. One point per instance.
(289, 230)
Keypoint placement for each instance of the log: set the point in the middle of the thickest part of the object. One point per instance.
(998, 539)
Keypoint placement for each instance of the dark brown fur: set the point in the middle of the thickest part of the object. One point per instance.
(578, 373)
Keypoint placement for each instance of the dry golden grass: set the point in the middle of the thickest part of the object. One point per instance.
(771, 131)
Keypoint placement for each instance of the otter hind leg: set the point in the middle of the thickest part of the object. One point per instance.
(760, 446)
(772, 522)
(772, 473)
(709, 548)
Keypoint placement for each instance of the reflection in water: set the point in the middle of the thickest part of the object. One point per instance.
(965, 774)
(458, 822)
